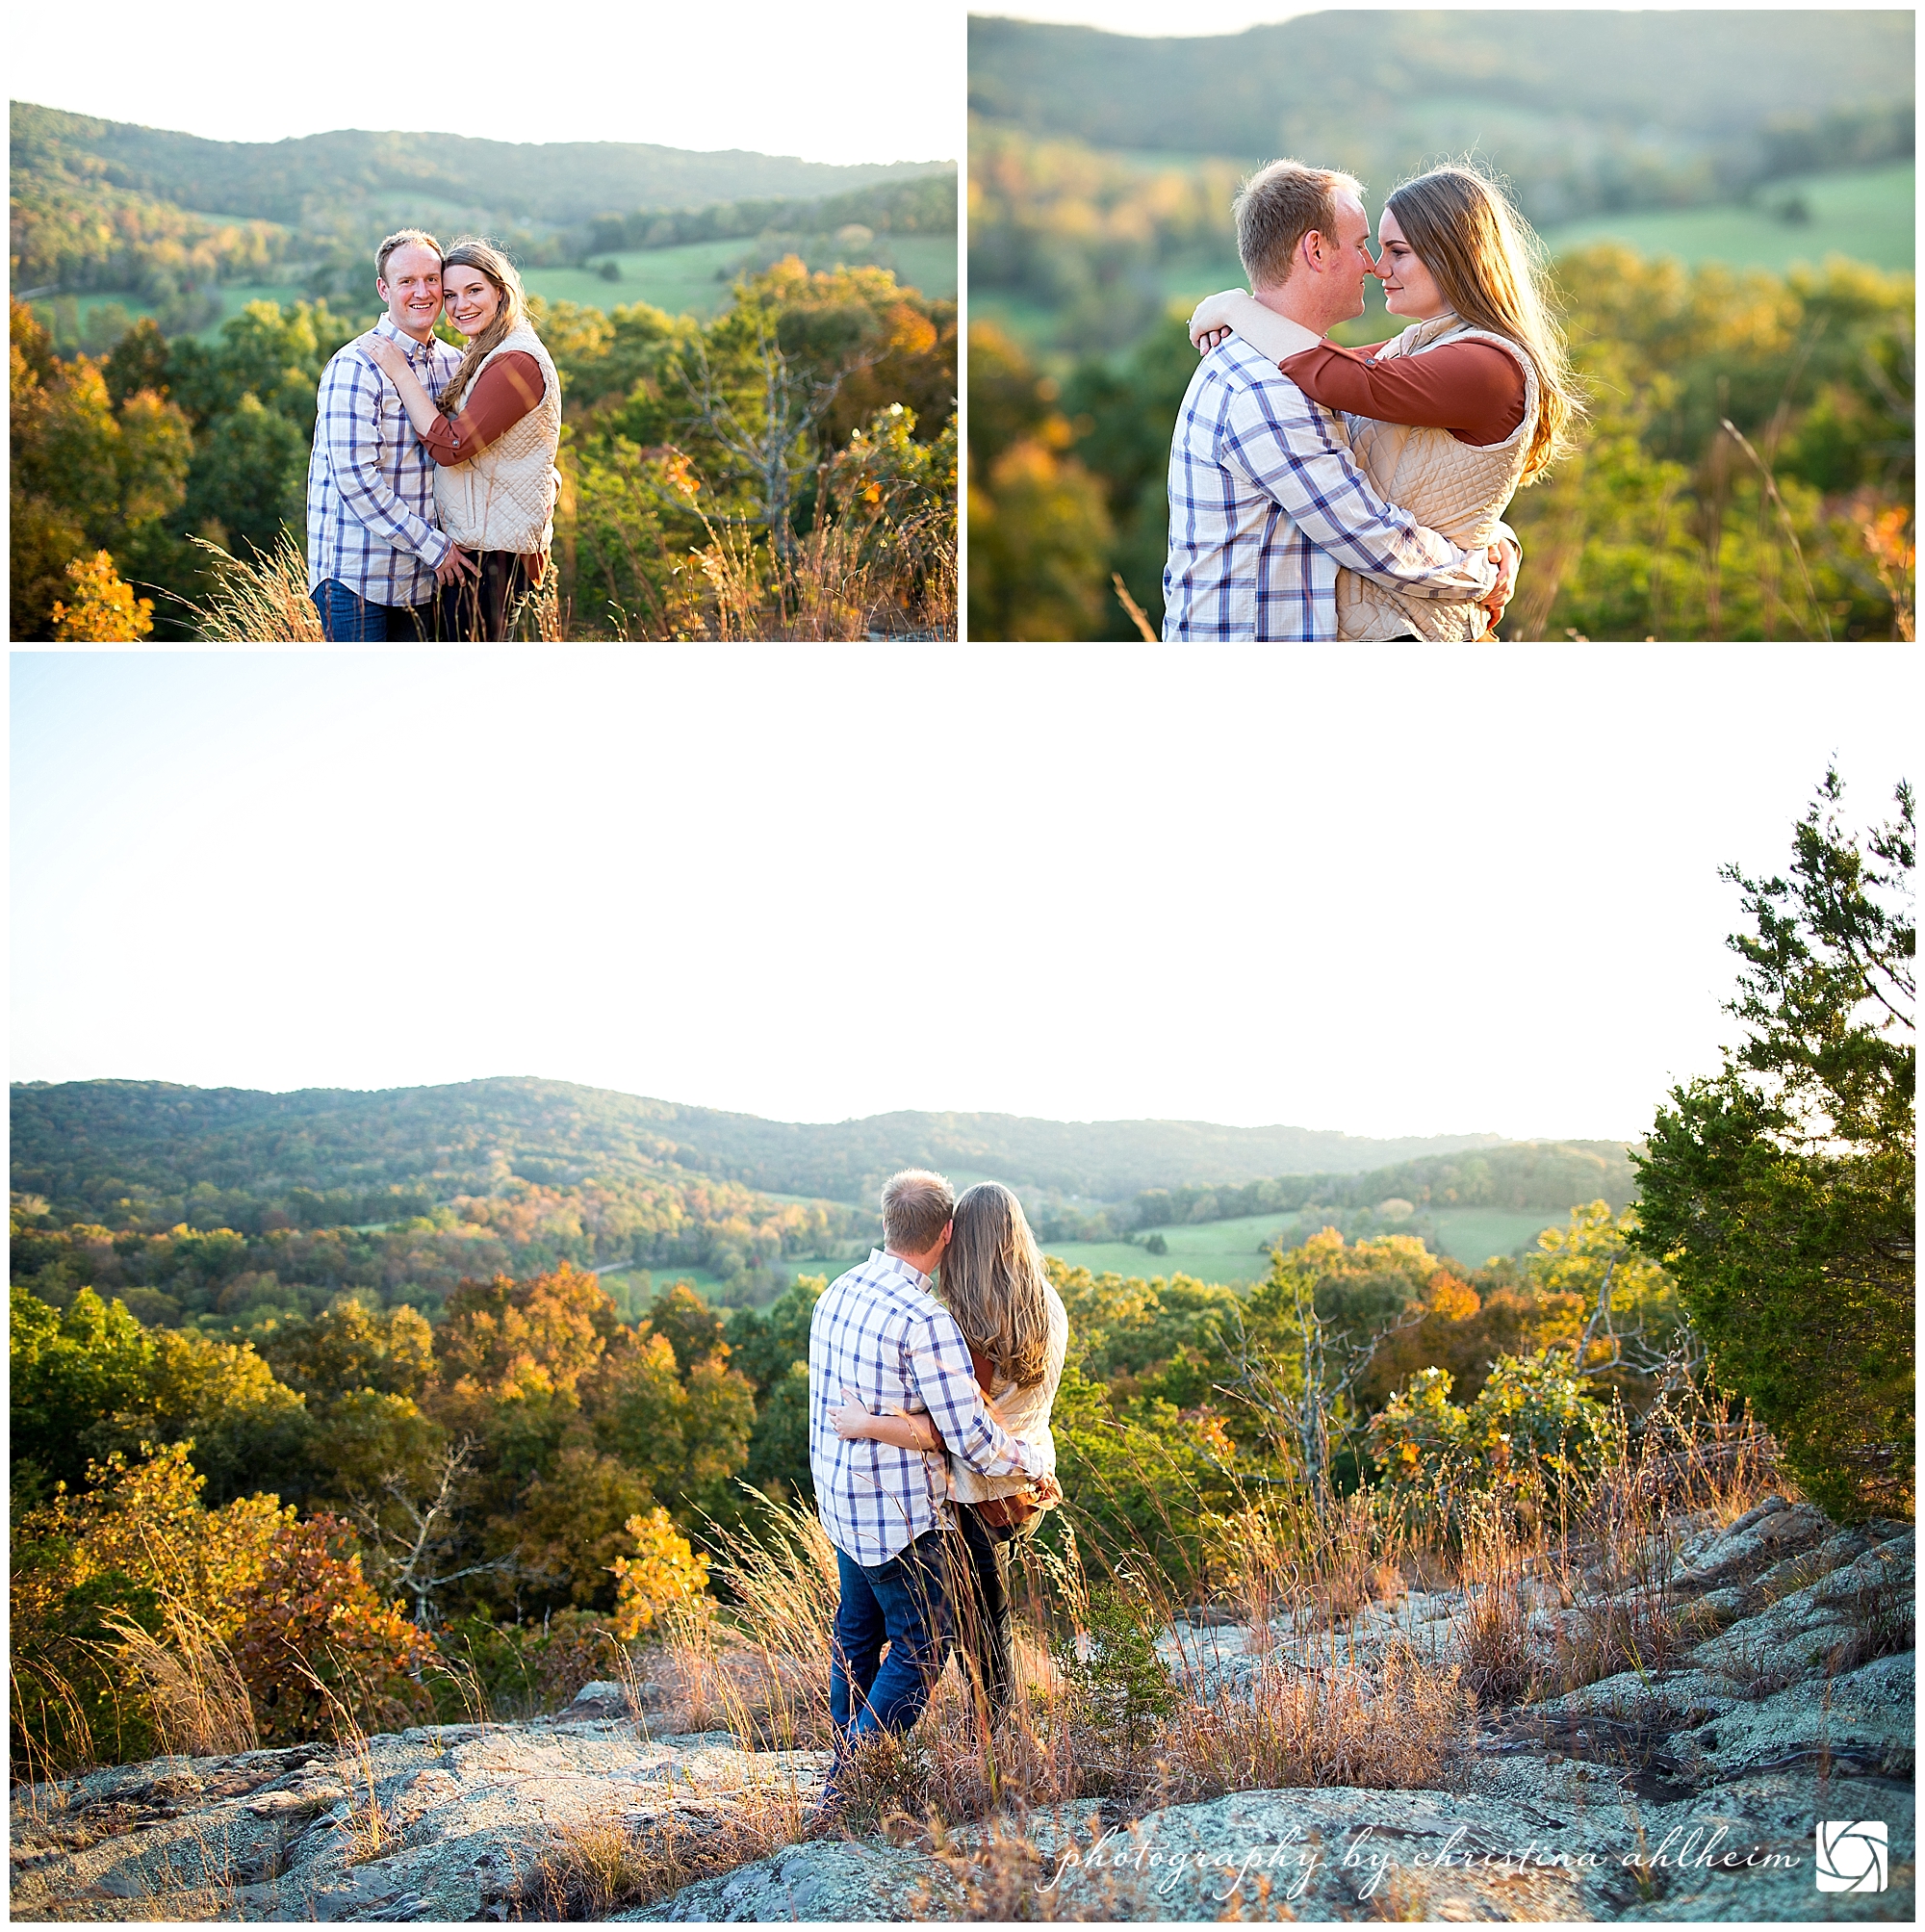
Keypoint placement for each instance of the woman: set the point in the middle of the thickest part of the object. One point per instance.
(1475, 399)
(493, 437)
(991, 1280)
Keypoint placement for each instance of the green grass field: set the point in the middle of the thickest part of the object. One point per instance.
(1229, 1251)
(1866, 216)
(698, 279)
(1473, 1234)
(1212, 1250)
(234, 297)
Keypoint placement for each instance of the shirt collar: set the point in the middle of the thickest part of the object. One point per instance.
(902, 1266)
(385, 324)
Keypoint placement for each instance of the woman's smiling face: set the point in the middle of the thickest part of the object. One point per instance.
(473, 300)
(1408, 287)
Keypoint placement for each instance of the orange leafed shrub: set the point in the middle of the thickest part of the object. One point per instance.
(317, 1647)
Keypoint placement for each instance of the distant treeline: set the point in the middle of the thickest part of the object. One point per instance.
(1551, 1177)
(225, 1201)
(921, 207)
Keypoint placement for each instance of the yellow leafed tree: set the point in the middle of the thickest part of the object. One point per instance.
(104, 610)
(665, 1571)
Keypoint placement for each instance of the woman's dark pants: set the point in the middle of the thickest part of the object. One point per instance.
(985, 1619)
(476, 609)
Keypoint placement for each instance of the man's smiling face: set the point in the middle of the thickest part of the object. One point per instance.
(412, 289)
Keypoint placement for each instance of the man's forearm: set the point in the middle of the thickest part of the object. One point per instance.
(371, 502)
(995, 1452)
(1467, 580)
(954, 1406)
(1298, 464)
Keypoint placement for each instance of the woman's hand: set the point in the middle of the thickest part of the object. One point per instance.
(1506, 556)
(850, 1419)
(385, 353)
(1047, 1492)
(1213, 338)
(1212, 318)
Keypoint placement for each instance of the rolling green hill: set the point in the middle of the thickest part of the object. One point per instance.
(285, 181)
(1585, 110)
(100, 204)
(228, 1205)
(91, 1143)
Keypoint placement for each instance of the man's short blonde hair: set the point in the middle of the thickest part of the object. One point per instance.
(1279, 205)
(916, 1205)
(402, 238)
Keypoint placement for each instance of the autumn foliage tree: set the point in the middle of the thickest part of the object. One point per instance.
(104, 611)
(319, 1650)
(90, 472)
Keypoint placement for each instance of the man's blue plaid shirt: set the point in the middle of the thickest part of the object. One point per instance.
(369, 483)
(1266, 502)
(879, 1331)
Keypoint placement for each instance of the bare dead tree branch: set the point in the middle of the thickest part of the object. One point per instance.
(762, 444)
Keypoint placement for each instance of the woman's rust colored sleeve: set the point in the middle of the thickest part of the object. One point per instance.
(500, 396)
(1473, 389)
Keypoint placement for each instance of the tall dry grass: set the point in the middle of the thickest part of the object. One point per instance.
(594, 1867)
(1398, 1725)
(194, 1688)
(257, 600)
(846, 579)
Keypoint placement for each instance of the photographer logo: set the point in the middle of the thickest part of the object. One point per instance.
(1853, 1855)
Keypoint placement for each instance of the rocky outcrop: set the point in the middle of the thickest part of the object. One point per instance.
(454, 1823)
(1685, 1788)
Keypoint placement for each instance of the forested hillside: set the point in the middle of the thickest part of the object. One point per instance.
(86, 1143)
(106, 204)
(1589, 110)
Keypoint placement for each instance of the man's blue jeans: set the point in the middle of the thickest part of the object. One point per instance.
(348, 618)
(906, 1602)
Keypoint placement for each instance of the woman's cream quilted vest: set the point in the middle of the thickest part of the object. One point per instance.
(1457, 489)
(504, 498)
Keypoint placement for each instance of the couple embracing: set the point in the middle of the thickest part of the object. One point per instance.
(931, 1369)
(1321, 493)
(431, 490)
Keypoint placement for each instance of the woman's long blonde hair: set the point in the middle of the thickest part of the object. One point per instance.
(470, 252)
(1487, 264)
(992, 1281)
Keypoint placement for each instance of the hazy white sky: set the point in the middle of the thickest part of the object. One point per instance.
(829, 80)
(1157, 19)
(1406, 893)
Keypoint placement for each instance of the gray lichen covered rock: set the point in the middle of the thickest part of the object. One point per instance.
(1687, 1788)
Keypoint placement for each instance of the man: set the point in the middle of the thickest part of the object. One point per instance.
(880, 1335)
(1266, 502)
(373, 555)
